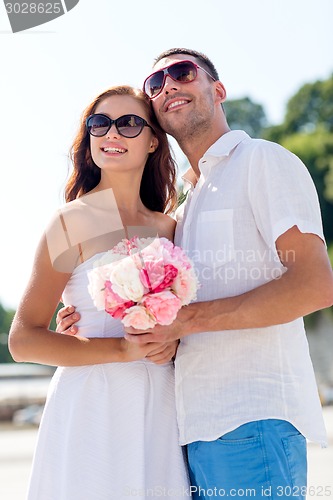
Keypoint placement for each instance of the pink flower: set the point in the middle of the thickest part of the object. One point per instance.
(170, 273)
(156, 276)
(138, 317)
(152, 273)
(175, 255)
(115, 305)
(163, 306)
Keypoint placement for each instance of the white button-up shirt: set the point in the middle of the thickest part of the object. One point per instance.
(249, 192)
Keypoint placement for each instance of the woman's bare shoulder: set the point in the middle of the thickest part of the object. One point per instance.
(166, 225)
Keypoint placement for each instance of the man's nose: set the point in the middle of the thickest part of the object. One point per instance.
(170, 85)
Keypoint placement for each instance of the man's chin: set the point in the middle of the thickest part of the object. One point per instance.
(174, 129)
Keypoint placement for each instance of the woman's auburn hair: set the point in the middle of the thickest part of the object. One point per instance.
(158, 184)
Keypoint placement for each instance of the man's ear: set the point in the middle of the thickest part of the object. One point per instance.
(221, 93)
(153, 145)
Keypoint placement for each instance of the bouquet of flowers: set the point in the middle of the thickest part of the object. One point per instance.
(143, 282)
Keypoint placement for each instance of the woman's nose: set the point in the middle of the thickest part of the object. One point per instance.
(113, 131)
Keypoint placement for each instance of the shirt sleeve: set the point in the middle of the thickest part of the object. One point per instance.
(282, 193)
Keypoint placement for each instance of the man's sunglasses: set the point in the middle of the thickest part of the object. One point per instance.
(127, 125)
(183, 72)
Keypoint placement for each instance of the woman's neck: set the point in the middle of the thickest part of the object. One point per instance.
(126, 190)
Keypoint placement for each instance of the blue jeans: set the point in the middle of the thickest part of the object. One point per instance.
(261, 459)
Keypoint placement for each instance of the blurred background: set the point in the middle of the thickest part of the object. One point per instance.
(275, 60)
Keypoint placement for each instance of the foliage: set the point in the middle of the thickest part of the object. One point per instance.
(330, 253)
(6, 318)
(53, 323)
(246, 115)
(310, 107)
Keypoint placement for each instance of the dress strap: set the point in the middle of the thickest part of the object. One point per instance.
(64, 227)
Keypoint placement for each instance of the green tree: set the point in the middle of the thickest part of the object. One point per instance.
(53, 323)
(6, 318)
(246, 115)
(310, 107)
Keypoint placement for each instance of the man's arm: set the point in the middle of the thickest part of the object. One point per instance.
(306, 286)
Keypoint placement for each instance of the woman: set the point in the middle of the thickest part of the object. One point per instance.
(109, 426)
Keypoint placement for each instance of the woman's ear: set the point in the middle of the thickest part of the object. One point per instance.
(153, 145)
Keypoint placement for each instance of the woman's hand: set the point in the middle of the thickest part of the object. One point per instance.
(135, 352)
(66, 319)
(164, 353)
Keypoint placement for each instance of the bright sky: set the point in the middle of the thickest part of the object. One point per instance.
(264, 49)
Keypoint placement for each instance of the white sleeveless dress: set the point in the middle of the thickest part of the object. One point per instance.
(108, 431)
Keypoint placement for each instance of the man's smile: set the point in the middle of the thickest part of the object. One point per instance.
(175, 103)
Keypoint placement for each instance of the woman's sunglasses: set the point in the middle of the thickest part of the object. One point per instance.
(127, 125)
(183, 72)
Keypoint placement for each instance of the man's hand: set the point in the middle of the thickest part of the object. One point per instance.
(178, 329)
(66, 319)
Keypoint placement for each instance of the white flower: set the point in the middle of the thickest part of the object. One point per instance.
(138, 317)
(185, 285)
(125, 279)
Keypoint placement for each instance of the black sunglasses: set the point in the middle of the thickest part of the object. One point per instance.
(126, 125)
(183, 72)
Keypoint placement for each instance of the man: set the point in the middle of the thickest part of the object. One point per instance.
(245, 389)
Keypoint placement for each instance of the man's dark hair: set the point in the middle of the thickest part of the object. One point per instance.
(204, 61)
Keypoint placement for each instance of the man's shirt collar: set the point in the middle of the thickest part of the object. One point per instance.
(221, 148)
